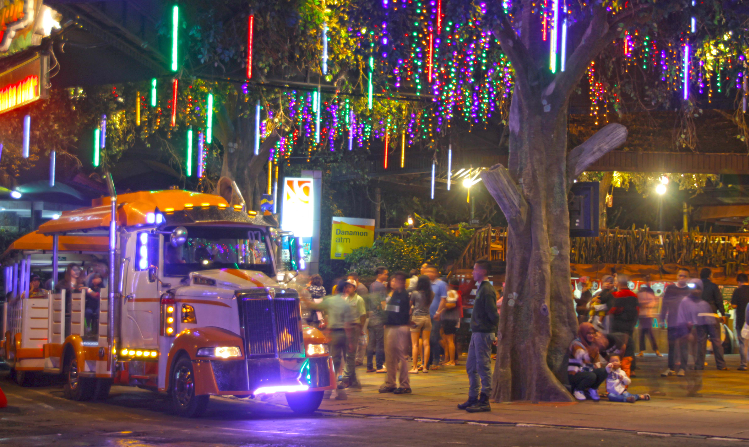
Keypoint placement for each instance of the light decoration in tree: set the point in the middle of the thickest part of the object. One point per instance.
(188, 167)
(686, 71)
(52, 161)
(369, 82)
(317, 108)
(137, 108)
(154, 96)
(325, 48)
(387, 143)
(433, 173)
(352, 127)
(103, 126)
(175, 36)
(257, 128)
(97, 146)
(209, 120)
(201, 154)
(250, 38)
(554, 34)
(449, 165)
(403, 149)
(26, 135)
(564, 36)
(175, 87)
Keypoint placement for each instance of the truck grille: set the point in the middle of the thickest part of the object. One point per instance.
(272, 326)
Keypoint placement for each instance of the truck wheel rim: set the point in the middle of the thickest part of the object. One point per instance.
(184, 385)
(73, 374)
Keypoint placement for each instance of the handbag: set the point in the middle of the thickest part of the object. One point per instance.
(745, 331)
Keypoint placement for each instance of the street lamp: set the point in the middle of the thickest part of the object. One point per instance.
(660, 189)
(410, 221)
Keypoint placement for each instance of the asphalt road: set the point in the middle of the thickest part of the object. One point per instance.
(40, 416)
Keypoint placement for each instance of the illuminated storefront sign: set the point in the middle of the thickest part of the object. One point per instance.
(350, 233)
(24, 83)
(298, 206)
(15, 16)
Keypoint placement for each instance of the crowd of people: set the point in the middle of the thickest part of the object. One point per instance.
(409, 323)
(692, 311)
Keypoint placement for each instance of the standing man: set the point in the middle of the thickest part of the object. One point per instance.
(672, 297)
(440, 291)
(739, 301)
(338, 314)
(484, 331)
(397, 337)
(711, 294)
(376, 326)
(582, 303)
(692, 322)
(353, 332)
(625, 310)
(362, 291)
(601, 303)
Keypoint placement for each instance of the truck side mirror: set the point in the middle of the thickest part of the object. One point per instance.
(153, 273)
(178, 237)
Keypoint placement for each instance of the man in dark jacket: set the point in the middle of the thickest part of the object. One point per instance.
(397, 337)
(484, 322)
(669, 310)
(625, 310)
(711, 294)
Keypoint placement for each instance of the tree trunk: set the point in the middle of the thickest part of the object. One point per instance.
(603, 190)
(538, 320)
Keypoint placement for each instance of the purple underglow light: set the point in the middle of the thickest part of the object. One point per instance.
(280, 389)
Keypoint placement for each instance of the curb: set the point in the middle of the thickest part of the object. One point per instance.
(331, 413)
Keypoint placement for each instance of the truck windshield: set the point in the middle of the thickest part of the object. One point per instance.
(216, 248)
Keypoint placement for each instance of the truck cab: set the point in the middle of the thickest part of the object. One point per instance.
(198, 308)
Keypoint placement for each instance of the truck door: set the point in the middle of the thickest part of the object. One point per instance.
(140, 325)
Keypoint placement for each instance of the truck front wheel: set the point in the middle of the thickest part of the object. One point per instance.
(77, 387)
(304, 403)
(184, 400)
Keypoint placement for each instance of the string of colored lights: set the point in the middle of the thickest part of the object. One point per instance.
(325, 48)
(209, 120)
(52, 161)
(97, 146)
(257, 128)
(201, 155)
(449, 165)
(154, 97)
(175, 87)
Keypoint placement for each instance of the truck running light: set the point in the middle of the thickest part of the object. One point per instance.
(142, 248)
(167, 314)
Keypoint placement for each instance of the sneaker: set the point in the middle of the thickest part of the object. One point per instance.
(593, 394)
(382, 370)
(641, 354)
(371, 370)
(725, 368)
(668, 372)
(742, 368)
(402, 391)
(468, 403)
(481, 406)
(681, 373)
(658, 354)
(343, 384)
(387, 389)
(579, 395)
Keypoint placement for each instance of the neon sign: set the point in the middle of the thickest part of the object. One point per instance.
(19, 94)
(24, 83)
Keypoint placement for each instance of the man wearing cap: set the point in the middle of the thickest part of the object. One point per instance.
(694, 316)
(353, 332)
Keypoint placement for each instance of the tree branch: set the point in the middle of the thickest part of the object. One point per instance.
(506, 192)
(602, 142)
(526, 70)
(597, 36)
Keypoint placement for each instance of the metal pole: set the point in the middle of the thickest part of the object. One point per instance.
(112, 258)
(55, 265)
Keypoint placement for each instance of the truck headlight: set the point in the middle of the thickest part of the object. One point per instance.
(223, 352)
(317, 349)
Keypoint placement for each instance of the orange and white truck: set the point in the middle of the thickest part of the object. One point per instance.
(174, 291)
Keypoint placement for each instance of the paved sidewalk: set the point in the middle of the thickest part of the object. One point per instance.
(721, 411)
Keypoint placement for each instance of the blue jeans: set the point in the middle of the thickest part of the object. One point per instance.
(376, 345)
(479, 364)
(622, 397)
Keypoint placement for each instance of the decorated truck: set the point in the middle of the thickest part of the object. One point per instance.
(173, 291)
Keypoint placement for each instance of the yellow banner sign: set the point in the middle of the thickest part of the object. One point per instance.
(350, 233)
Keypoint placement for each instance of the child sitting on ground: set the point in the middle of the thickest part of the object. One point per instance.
(617, 381)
